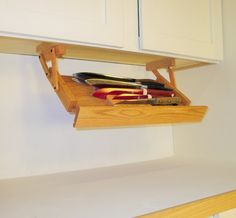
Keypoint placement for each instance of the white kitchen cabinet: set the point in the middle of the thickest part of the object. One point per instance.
(178, 28)
(87, 21)
(186, 28)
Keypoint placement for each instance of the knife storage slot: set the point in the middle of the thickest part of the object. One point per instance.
(91, 112)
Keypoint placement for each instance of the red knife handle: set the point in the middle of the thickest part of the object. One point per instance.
(131, 96)
(162, 93)
(102, 93)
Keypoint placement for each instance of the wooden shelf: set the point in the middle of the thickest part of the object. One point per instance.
(94, 112)
(91, 112)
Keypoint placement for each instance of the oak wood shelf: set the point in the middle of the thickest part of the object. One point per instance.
(91, 112)
(94, 112)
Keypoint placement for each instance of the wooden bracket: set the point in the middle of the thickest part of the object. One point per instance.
(167, 63)
(163, 63)
(171, 76)
(50, 53)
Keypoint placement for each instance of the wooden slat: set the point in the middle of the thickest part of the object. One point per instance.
(44, 65)
(82, 93)
(172, 77)
(158, 64)
(126, 115)
(199, 209)
(46, 49)
(63, 90)
(67, 98)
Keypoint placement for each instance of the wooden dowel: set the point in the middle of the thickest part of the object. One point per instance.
(54, 69)
(44, 65)
(171, 76)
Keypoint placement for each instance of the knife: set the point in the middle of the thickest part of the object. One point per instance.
(102, 93)
(152, 101)
(129, 97)
(83, 76)
(103, 83)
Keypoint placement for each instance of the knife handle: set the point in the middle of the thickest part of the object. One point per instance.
(131, 96)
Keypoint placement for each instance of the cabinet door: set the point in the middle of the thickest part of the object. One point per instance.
(87, 21)
(191, 28)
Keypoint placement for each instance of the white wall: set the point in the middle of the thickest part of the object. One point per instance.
(214, 86)
(36, 133)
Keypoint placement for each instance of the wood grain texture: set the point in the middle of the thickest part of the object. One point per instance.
(63, 91)
(93, 112)
(199, 209)
(131, 115)
(164, 63)
(82, 93)
(46, 49)
(29, 47)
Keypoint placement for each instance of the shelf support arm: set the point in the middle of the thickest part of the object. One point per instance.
(49, 53)
(167, 63)
(171, 76)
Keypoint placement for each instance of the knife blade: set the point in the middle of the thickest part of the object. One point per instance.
(83, 76)
(103, 83)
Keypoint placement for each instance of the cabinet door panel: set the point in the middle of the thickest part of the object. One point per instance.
(184, 27)
(89, 21)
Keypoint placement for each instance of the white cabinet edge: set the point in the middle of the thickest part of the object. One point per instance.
(217, 40)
